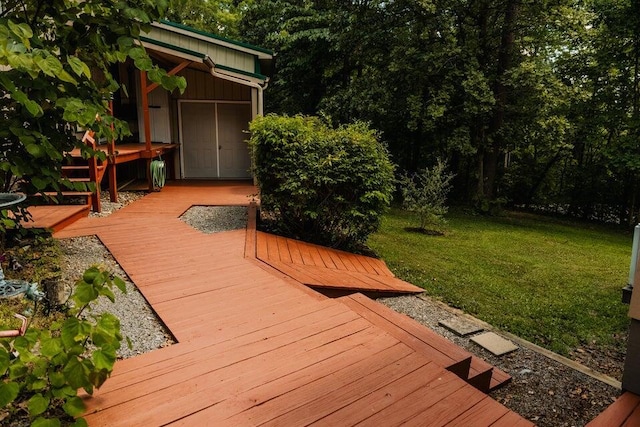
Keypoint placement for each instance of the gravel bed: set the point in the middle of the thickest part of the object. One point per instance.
(124, 198)
(542, 390)
(138, 322)
(214, 219)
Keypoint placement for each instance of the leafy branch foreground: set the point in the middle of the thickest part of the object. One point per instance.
(43, 370)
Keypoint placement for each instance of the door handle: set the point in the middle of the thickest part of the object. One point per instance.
(219, 147)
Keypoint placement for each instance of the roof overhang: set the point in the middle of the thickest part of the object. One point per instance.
(231, 58)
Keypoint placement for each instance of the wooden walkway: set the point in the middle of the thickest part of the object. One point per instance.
(254, 345)
(624, 412)
(324, 268)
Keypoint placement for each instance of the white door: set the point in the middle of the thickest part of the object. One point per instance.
(159, 116)
(233, 120)
(199, 148)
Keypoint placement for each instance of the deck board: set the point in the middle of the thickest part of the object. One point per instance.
(625, 411)
(325, 268)
(254, 344)
(55, 217)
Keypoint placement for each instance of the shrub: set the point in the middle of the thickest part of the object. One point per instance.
(321, 184)
(41, 372)
(425, 194)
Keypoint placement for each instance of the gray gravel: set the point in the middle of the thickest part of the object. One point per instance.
(215, 219)
(108, 207)
(139, 322)
(542, 390)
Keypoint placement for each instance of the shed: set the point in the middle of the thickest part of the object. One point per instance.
(202, 132)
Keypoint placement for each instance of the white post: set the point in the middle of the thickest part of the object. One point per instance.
(634, 254)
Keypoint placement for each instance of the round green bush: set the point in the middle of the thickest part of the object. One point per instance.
(321, 184)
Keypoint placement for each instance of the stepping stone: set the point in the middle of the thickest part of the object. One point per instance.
(460, 326)
(494, 343)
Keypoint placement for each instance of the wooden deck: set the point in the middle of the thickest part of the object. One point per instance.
(55, 217)
(624, 412)
(324, 268)
(124, 153)
(255, 346)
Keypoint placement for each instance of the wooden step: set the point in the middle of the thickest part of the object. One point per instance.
(79, 167)
(88, 195)
(440, 350)
(56, 217)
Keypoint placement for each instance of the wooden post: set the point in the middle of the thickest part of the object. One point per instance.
(92, 163)
(147, 125)
(111, 164)
(145, 89)
(631, 373)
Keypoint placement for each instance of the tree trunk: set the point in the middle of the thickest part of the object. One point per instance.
(495, 150)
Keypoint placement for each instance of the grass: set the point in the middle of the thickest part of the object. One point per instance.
(555, 283)
(38, 259)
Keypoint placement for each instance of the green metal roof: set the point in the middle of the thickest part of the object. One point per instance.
(172, 47)
(217, 37)
(200, 55)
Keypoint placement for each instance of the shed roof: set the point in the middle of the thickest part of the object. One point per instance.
(241, 59)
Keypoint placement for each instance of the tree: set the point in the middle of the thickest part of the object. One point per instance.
(425, 194)
(56, 58)
(218, 17)
(529, 102)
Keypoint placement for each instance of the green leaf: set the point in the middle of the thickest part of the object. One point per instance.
(57, 379)
(108, 293)
(66, 77)
(8, 393)
(79, 67)
(64, 392)
(76, 374)
(37, 404)
(35, 150)
(70, 332)
(4, 360)
(32, 107)
(22, 31)
(50, 347)
(85, 293)
(104, 359)
(74, 406)
(80, 422)
(38, 385)
(120, 284)
(22, 344)
(46, 422)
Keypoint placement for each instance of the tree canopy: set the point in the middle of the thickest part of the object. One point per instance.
(532, 103)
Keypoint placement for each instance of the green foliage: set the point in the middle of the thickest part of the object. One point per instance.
(218, 17)
(425, 194)
(56, 59)
(42, 371)
(323, 184)
(537, 103)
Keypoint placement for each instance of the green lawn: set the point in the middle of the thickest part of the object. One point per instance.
(552, 282)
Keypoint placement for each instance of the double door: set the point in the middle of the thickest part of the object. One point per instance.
(213, 139)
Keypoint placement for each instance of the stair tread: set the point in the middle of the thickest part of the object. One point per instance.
(421, 338)
(68, 193)
(80, 167)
